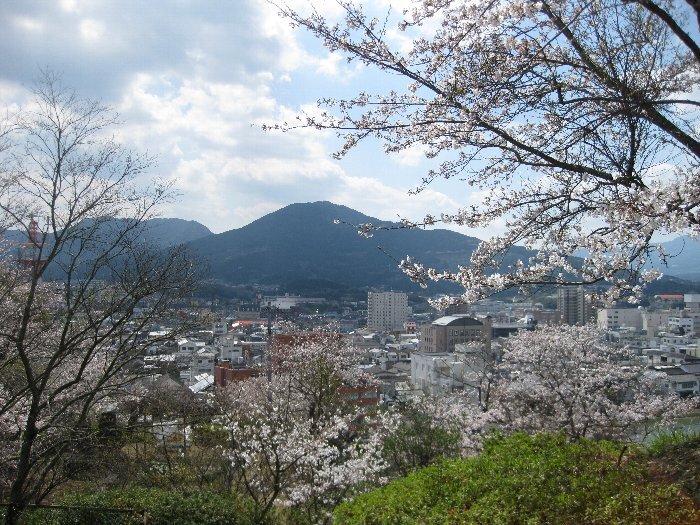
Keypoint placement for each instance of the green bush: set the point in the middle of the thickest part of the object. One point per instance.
(524, 479)
(418, 443)
(164, 507)
(676, 456)
(33, 517)
(669, 441)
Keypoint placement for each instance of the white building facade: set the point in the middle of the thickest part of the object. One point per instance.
(387, 311)
(437, 373)
(614, 318)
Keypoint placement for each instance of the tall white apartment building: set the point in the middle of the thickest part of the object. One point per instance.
(387, 311)
(574, 305)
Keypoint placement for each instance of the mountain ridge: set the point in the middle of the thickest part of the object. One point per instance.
(303, 240)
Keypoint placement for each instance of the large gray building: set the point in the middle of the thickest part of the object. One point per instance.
(444, 333)
(573, 304)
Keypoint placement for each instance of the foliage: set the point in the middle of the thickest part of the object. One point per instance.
(296, 439)
(571, 120)
(418, 442)
(429, 429)
(669, 441)
(557, 379)
(527, 479)
(567, 379)
(675, 456)
(164, 507)
(67, 346)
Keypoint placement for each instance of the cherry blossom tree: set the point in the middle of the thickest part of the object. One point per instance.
(431, 428)
(560, 379)
(567, 379)
(72, 273)
(296, 439)
(575, 120)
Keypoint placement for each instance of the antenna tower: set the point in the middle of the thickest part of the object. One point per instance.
(30, 250)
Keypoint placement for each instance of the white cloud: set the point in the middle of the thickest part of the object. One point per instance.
(91, 30)
(69, 5)
(170, 108)
(12, 96)
(411, 156)
(247, 214)
(374, 197)
(32, 25)
(194, 81)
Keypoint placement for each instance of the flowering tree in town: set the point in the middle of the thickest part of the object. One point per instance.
(560, 379)
(567, 379)
(573, 120)
(430, 428)
(72, 273)
(296, 438)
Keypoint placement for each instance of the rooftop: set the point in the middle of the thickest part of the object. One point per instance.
(457, 320)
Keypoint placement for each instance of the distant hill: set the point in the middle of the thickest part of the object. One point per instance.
(300, 248)
(172, 232)
(301, 242)
(159, 232)
(670, 284)
(685, 260)
(155, 234)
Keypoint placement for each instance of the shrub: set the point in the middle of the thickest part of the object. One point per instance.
(669, 441)
(675, 456)
(530, 480)
(164, 507)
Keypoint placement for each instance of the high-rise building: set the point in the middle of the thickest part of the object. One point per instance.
(387, 311)
(574, 306)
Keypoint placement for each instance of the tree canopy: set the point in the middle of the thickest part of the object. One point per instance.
(576, 120)
(67, 345)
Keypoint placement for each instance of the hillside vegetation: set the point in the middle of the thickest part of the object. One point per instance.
(523, 479)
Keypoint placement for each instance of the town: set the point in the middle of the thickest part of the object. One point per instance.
(409, 353)
(349, 263)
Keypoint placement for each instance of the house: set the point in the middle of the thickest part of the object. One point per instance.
(437, 373)
(444, 333)
(679, 381)
(201, 362)
(225, 373)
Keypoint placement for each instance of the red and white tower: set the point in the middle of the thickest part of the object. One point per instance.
(30, 250)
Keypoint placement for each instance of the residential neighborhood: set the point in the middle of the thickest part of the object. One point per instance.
(353, 262)
(425, 353)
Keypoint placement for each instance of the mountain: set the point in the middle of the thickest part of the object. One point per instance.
(172, 232)
(300, 248)
(301, 242)
(155, 234)
(159, 233)
(685, 258)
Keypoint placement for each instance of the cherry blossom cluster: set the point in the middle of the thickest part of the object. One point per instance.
(574, 119)
(295, 438)
(567, 379)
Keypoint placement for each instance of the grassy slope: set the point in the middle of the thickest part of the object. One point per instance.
(532, 480)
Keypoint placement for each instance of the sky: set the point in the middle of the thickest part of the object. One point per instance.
(193, 81)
